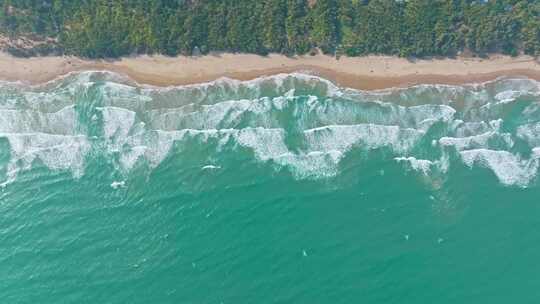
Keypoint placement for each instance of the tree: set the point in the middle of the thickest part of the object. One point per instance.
(325, 25)
(295, 26)
(274, 15)
(113, 28)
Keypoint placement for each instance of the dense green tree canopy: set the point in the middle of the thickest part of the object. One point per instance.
(112, 28)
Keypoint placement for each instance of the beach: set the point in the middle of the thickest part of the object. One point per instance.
(284, 189)
(366, 73)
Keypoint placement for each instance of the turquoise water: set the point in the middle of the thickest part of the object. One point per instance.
(284, 189)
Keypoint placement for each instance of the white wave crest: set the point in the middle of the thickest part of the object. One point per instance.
(297, 121)
(57, 152)
(368, 136)
(530, 133)
(30, 121)
(510, 169)
(420, 165)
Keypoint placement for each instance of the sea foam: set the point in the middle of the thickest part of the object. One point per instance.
(296, 122)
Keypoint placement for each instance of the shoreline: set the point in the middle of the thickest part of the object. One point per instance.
(364, 73)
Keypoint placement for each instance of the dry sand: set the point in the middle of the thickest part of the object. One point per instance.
(367, 73)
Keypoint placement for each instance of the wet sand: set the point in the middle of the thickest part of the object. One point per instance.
(366, 73)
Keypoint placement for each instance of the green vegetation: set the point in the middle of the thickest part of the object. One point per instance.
(112, 28)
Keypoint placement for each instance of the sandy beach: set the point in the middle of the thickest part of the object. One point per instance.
(366, 73)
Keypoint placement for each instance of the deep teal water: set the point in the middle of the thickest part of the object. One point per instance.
(280, 190)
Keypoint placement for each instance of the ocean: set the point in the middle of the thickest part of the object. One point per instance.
(283, 189)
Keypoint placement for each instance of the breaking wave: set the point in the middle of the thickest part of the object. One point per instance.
(295, 122)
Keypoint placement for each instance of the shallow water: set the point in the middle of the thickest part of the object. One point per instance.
(283, 189)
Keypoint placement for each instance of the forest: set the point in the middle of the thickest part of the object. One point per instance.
(407, 28)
